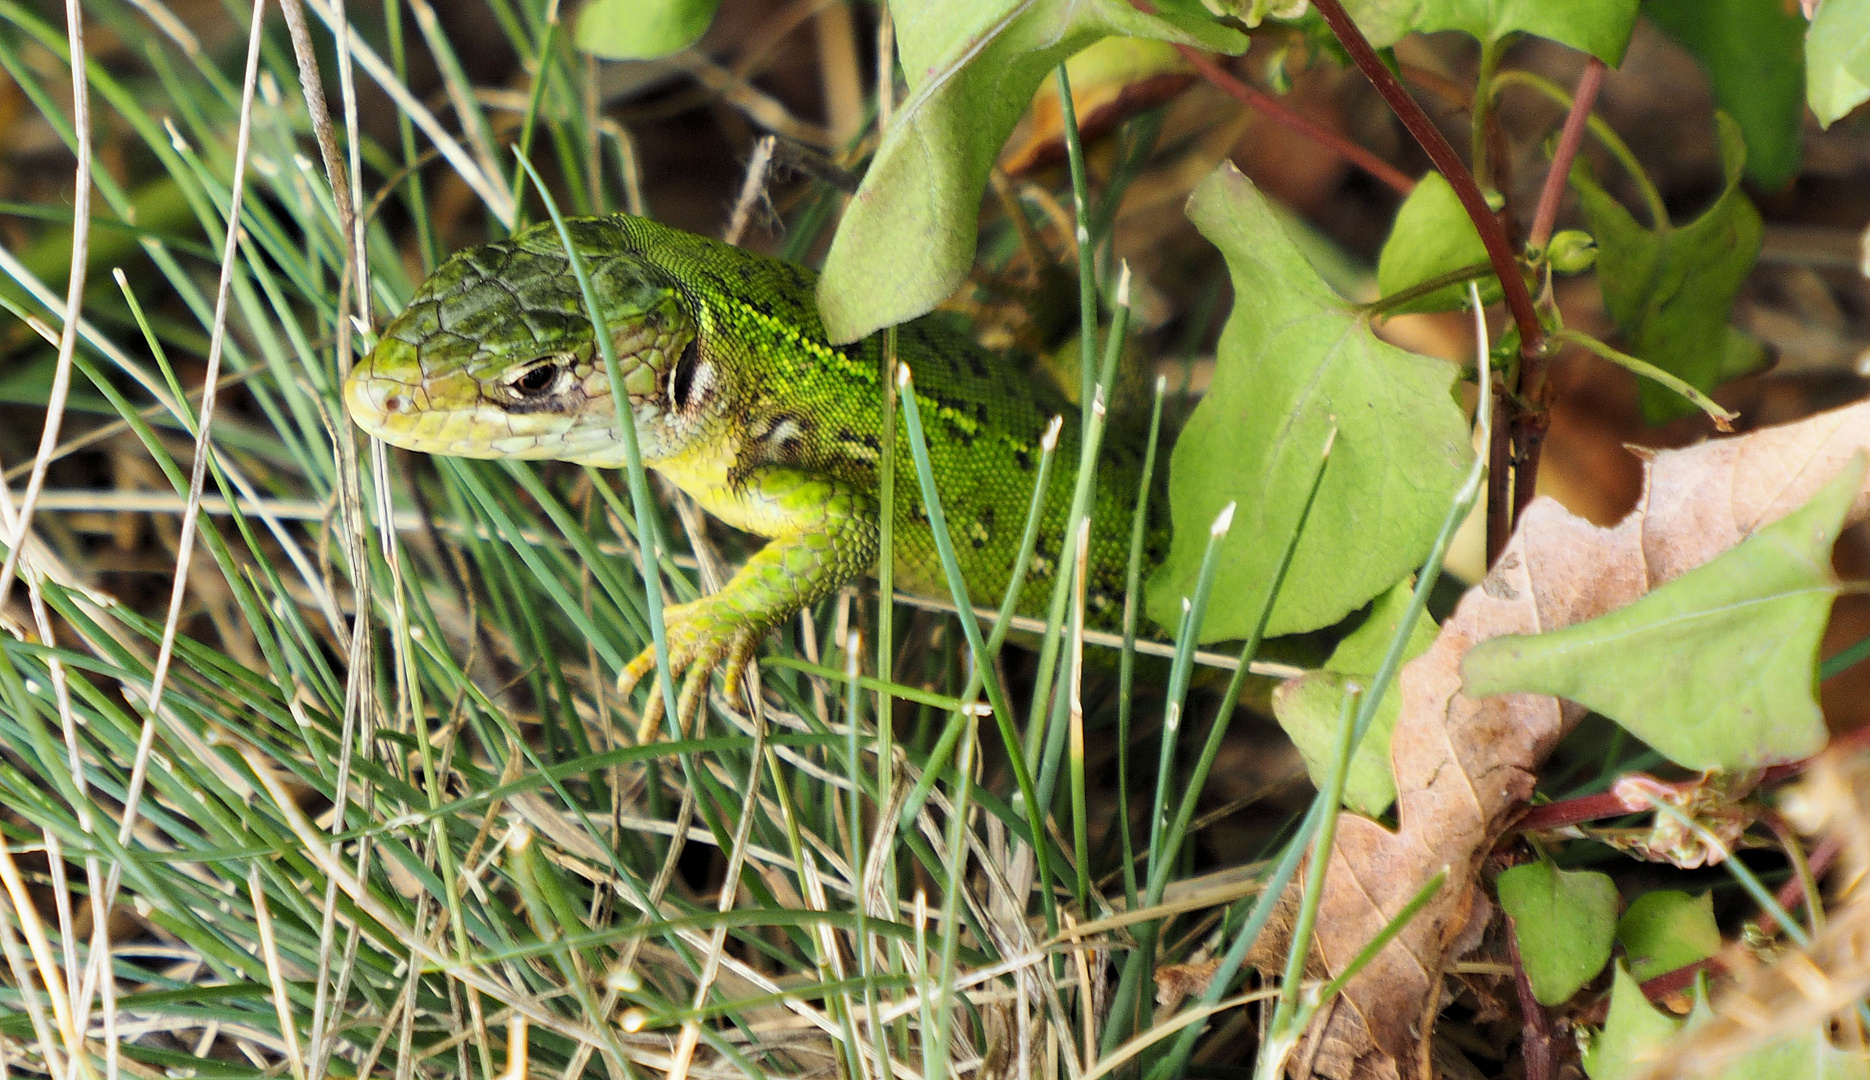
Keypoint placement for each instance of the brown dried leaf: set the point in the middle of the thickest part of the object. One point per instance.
(1465, 767)
(1176, 983)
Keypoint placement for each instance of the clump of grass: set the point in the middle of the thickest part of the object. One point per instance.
(352, 795)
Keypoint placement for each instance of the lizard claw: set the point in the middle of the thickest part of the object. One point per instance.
(700, 643)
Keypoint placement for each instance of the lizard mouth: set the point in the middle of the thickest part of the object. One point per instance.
(452, 412)
(554, 406)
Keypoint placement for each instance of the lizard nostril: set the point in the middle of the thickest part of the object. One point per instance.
(395, 403)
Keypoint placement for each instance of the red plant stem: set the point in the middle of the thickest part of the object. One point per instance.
(1657, 990)
(1572, 137)
(1557, 815)
(1790, 896)
(1526, 422)
(1449, 164)
(1528, 427)
(1276, 110)
(1535, 1028)
(1674, 982)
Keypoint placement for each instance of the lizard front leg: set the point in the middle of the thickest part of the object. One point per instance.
(824, 533)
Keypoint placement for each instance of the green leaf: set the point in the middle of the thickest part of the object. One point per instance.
(1716, 669)
(1837, 59)
(1384, 22)
(642, 29)
(907, 240)
(1308, 707)
(1742, 354)
(1634, 1034)
(1295, 360)
(1667, 929)
(1563, 922)
(1599, 27)
(1808, 1055)
(1672, 289)
(1432, 236)
(1754, 54)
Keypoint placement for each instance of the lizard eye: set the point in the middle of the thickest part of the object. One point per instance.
(536, 381)
(684, 387)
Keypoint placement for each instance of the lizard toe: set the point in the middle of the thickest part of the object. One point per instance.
(634, 671)
(694, 693)
(700, 644)
(652, 718)
(739, 655)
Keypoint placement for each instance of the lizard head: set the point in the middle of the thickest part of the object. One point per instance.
(495, 357)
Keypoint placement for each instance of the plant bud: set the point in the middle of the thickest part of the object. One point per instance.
(1572, 251)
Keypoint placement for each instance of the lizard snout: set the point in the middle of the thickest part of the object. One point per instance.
(372, 400)
(380, 393)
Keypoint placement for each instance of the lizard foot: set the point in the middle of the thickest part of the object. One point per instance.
(700, 643)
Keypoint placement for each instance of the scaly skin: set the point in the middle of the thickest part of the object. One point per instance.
(740, 401)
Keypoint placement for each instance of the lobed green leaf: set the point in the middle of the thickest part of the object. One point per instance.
(1671, 289)
(1295, 359)
(1716, 669)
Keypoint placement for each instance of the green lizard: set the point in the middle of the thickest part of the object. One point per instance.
(741, 401)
